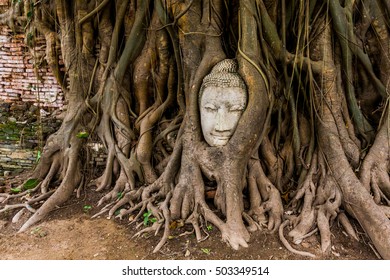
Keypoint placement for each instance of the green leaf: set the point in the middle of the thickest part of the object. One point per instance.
(16, 190)
(87, 208)
(119, 195)
(206, 250)
(35, 230)
(147, 214)
(30, 184)
(146, 218)
(82, 134)
(38, 156)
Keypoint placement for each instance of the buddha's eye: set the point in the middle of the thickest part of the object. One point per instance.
(236, 108)
(210, 107)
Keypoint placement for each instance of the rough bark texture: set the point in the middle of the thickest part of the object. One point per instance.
(312, 142)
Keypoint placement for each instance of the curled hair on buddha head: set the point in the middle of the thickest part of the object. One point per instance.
(224, 75)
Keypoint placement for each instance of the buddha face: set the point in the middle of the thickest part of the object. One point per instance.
(220, 111)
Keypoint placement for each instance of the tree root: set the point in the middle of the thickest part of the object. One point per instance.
(374, 171)
(305, 220)
(288, 246)
(165, 211)
(344, 221)
(138, 102)
(264, 198)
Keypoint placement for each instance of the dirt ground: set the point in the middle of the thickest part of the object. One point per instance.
(70, 233)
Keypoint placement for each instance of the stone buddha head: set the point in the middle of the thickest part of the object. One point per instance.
(222, 100)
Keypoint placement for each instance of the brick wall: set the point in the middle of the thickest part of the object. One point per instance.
(18, 76)
(22, 132)
(23, 94)
(22, 97)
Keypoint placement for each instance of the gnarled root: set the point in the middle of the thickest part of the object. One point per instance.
(326, 213)
(374, 171)
(264, 197)
(71, 180)
(344, 221)
(288, 246)
(305, 221)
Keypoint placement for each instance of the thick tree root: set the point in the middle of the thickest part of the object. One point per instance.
(296, 138)
(344, 221)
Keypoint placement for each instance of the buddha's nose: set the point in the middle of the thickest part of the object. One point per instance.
(222, 123)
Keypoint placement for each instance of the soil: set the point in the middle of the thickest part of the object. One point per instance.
(70, 233)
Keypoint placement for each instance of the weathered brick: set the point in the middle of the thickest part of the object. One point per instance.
(18, 83)
(11, 166)
(5, 159)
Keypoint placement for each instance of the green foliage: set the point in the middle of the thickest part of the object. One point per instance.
(147, 219)
(209, 227)
(87, 208)
(82, 134)
(38, 156)
(38, 232)
(117, 212)
(207, 251)
(16, 190)
(30, 184)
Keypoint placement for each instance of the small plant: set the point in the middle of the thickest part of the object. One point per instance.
(38, 157)
(30, 184)
(16, 190)
(147, 219)
(209, 227)
(35, 230)
(119, 195)
(207, 251)
(39, 232)
(82, 135)
(87, 208)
